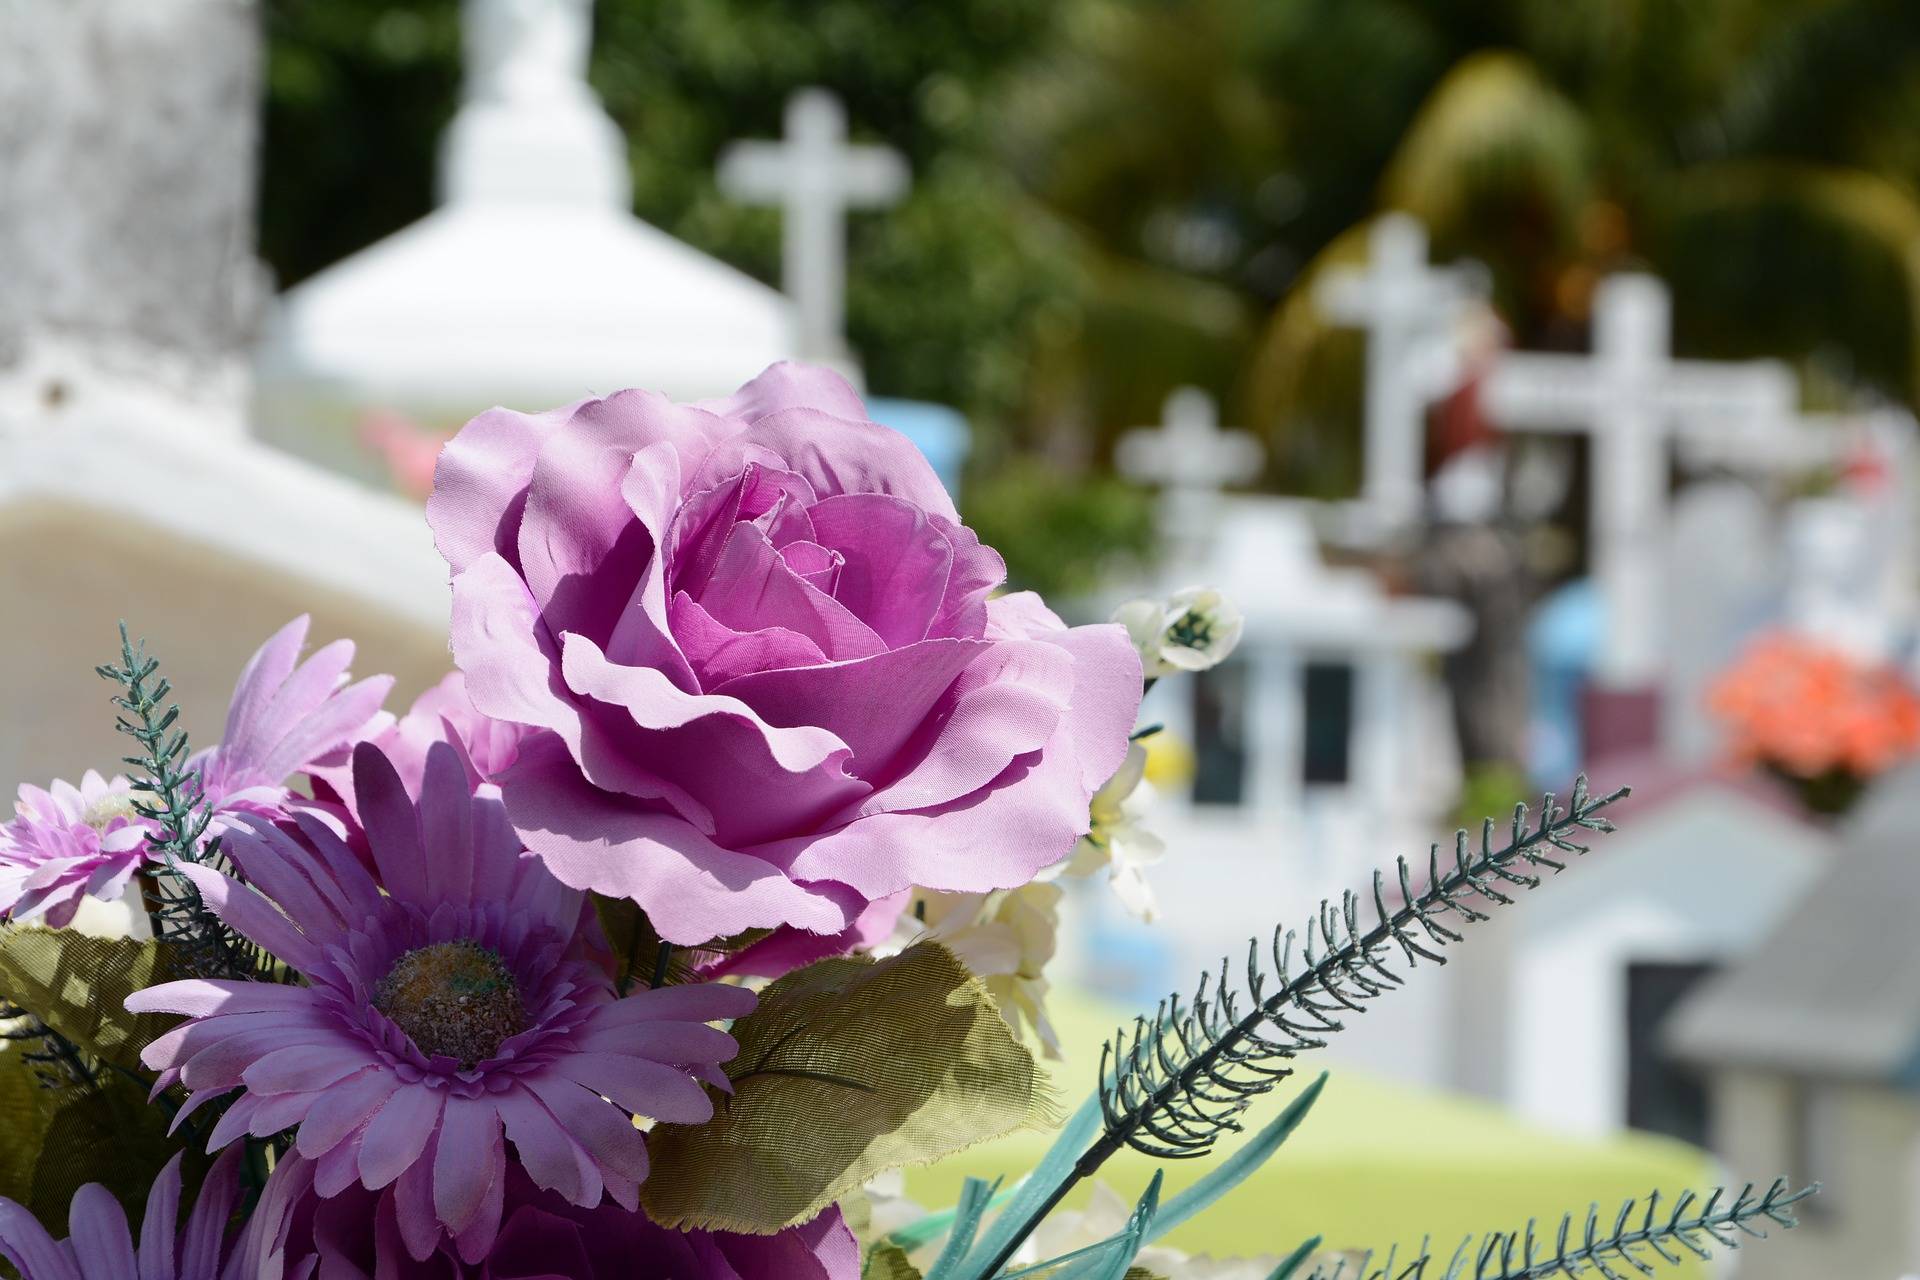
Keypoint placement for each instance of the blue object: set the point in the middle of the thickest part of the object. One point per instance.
(940, 433)
(1563, 643)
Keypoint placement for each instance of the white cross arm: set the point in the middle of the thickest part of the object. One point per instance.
(874, 176)
(1355, 296)
(1542, 392)
(1345, 295)
(1228, 457)
(1701, 390)
(770, 173)
(755, 171)
(1761, 448)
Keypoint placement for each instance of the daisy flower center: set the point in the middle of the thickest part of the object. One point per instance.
(453, 998)
(103, 812)
(1191, 631)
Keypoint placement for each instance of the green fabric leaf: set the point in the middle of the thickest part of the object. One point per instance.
(1130, 1240)
(888, 1262)
(55, 1140)
(1110, 1259)
(78, 986)
(847, 1068)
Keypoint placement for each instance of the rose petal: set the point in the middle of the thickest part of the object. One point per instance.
(693, 889)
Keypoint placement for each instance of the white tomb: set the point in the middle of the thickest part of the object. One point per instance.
(1809, 1048)
(1323, 740)
(128, 486)
(531, 285)
(1324, 745)
(1700, 872)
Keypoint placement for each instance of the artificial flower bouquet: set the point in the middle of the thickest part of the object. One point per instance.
(1821, 719)
(716, 884)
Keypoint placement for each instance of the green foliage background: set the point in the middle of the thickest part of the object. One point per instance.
(1113, 197)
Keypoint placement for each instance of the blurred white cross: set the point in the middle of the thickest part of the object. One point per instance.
(1191, 459)
(815, 176)
(1410, 311)
(1633, 398)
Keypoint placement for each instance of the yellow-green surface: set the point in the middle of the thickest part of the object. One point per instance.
(1374, 1164)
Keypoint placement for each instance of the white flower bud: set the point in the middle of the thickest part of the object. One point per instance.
(1193, 630)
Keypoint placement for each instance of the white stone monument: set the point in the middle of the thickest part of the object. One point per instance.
(1190, 459)
(125, 265)
(1848, 575)
(1411, 312)
(815, 176)
(529, 128)
(128, 487)
(1293, 831)
(1632, 397)
(531, 285)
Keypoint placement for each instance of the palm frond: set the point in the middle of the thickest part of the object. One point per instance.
(1771, 258)
(1493, 135)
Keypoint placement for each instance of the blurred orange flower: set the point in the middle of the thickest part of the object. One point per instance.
(1809, 710)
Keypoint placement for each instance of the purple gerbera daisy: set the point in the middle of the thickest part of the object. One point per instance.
(455, 1011)
(101, 1247)
(286, 717)
(356, 1236)
(67, 844)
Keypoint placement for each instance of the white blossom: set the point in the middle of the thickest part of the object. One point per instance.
(1192, 630)
(1119, 840)
(1006, 939)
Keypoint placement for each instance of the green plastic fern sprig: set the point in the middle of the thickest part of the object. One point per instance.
(1177, 1082)
(203, 943)
(1640, 1234)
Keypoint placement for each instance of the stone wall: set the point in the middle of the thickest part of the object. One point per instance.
(128, 131)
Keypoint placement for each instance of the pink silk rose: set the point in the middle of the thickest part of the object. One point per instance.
(757, 643)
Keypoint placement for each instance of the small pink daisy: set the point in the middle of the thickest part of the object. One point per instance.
(286, 717)
(449, 1008)
(67, 844)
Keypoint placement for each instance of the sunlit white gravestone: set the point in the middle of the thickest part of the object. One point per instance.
(1191, 459)
(1409, 310)
(1632, 397)
(815, 176)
